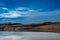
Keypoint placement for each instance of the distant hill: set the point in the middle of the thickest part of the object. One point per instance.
(10, 23)
(44, 27)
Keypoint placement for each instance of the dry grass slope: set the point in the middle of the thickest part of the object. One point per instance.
(45, 27)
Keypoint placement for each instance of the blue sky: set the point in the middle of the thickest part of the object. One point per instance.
(29, 11)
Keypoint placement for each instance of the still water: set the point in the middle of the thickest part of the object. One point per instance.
(29, 36)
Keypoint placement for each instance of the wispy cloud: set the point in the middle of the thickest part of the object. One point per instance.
(36, 16)
(21, 11)
(4, 8)
(30, 15)
(18, 12)
(11, 14)
(21, 8)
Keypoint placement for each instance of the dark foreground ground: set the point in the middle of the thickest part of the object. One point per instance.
(44, 27)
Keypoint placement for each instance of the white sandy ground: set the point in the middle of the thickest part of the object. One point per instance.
(32, 36)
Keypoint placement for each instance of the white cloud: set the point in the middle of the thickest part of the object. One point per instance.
(11, 14)
(15, 14)
(30, 13)
(4, 8)
(21, 8)
(34, 13)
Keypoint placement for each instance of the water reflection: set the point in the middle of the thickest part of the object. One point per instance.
(29, 36)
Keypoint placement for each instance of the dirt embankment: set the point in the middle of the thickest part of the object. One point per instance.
(45, 27)
(49, 28)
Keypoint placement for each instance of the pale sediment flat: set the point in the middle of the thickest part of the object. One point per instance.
(29, 36)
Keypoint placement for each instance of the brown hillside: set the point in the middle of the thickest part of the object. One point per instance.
(44, 27)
